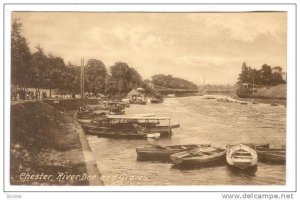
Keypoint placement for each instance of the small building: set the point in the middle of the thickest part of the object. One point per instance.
(280, 71)
(246, 85)
(284, 75)
(136, 95)
(277, 70)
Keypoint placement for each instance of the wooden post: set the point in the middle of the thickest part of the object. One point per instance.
(82, 79)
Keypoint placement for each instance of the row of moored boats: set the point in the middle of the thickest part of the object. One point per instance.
(108, 119)
(242, 157)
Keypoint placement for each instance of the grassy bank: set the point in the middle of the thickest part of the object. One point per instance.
(272, 95)
(41, 145)
(275, 92)
(265, 101)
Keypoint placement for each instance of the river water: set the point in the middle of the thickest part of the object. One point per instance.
(202, 121)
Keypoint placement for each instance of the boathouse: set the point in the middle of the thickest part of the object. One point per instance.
(135, 94)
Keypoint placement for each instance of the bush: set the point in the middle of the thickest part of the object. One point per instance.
(243, 92)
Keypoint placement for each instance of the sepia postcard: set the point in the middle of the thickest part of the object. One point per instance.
(148, 98)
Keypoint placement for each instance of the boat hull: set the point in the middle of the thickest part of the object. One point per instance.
(163, 155)
(156, 100)
(188, 160)
(250, 170)
(199, 163)
(272, 156)
(130, 132)
(117, 135)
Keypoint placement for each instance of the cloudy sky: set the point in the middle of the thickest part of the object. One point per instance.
(185, 45)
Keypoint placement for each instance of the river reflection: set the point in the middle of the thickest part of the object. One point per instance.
(202, 121)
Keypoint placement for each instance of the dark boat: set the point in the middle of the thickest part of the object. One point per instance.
(162, 153)
(118, 126)
(117, 108)
(117, 134)
(272, 155)
(200, 157)
(242, 158)
(223, 100)
(90, 111)
(157, 99)
(209, 97)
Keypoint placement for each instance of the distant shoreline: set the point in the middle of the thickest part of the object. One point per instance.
(260, 100)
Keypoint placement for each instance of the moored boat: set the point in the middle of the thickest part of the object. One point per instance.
(272, 155)
(241, 157)
(156, 152)
(117, 134)
(157, 99)
(131, 126)
(117, 108)
(200, 157)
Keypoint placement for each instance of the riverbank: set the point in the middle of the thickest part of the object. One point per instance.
(47, 148)
(275, 95)
(264, 101)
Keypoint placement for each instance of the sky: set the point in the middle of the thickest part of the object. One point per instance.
(184, 45)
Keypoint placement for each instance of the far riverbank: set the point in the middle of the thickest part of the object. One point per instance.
(265, 101)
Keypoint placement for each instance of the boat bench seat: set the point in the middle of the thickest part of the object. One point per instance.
(242, 156)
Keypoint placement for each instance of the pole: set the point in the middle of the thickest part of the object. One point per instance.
(82, 78)
(204, 90)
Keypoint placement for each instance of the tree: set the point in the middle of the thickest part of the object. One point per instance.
(172, 82)
(70, 80)
(266, 74)
(245, 75)
(276, 79)
(40, 74)
(123, 78)
(56, 76)
(20, 56)
(95, 76)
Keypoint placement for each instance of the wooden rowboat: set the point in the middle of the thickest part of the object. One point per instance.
(241, 157)
(272, 155)
(162, 153)
(200, 157)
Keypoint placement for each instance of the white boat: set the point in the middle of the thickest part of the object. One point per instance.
(241, 157)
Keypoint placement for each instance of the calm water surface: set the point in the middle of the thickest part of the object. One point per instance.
(202, 121)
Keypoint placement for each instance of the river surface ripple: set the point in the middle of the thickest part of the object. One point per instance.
(202, 121)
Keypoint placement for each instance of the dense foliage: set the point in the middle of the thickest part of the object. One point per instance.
(20, 56)
(123, 78)
(42, 70)
(172, 82)
(264, 76)
(95, 76)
